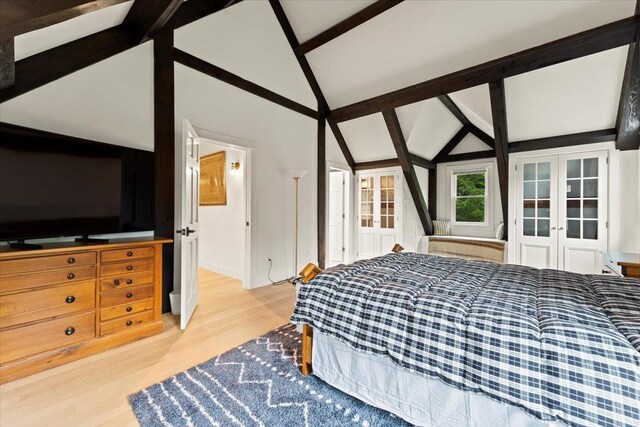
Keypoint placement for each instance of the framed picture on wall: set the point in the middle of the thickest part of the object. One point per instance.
(213, 190)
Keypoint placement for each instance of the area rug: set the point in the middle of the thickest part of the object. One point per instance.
(256, 384)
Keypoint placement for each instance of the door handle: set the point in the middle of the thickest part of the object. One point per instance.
(553, 228)
(185, 232)
(561, 228)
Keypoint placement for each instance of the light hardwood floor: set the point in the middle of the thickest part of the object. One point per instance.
(93, 391)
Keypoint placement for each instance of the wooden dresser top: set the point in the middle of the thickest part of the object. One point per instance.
(61, 247)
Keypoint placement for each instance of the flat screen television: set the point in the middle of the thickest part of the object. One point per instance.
(54, 185)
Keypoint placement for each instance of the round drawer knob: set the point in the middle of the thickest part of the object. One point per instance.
(70, 299)
(129, 253)
(129, 323)
(129, 309)
(71, 276)
(116, 282)
(71, 260)
(129, 281)
(129, 267)
(129, 295)
(70, 331)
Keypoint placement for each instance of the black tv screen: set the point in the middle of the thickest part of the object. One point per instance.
(54, 185)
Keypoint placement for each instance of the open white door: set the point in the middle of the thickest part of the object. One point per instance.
(336, 217)
(190, 188)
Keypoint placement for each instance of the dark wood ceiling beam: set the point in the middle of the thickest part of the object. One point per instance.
(22, 16)
(216, 72)
(164, 153)
(421, 161)
(7, 64)
(377, 164)
(321, 206)
(581, 138)
(453, 143)
(323, 106)
(475, 155)
(455, 110)
(342, 144)
(193, 10)
(432, 193)
(404, 157)
(499, 115)
(346, 25)
(628, 119)
(45, 67)
(146, 17)
(588, 42)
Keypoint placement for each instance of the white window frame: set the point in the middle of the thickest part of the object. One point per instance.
(453, 172)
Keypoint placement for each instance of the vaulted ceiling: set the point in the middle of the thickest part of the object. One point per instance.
(410, 42)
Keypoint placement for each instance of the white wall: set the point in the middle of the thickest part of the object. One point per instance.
(222, 228)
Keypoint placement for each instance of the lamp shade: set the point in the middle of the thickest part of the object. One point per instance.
(296, 173)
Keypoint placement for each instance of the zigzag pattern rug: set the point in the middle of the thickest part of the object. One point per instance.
(256, 384)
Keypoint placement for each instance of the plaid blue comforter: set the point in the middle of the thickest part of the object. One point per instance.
(562, 346)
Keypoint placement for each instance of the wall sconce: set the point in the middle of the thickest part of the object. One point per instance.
(235, 166)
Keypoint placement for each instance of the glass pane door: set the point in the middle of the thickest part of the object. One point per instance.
(583, 211)
(537, 212)
(536, 203)
(367, 187)
(387, 201)
(582, 198)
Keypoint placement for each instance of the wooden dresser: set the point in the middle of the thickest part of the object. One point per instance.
(70, 300)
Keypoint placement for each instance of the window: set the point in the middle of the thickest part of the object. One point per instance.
(470, 197)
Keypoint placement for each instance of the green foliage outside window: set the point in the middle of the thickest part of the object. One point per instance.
(470, 197)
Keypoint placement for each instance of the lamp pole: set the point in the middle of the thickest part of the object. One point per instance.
(295, 247)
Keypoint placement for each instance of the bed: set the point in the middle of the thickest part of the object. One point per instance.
(499, 345)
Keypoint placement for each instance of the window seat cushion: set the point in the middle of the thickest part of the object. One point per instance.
(478, 248)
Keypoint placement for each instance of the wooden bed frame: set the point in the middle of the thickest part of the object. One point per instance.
(307, 274)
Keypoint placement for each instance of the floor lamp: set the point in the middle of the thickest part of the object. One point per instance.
(296, 174)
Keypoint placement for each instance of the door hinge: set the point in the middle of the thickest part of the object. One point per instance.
(343, 217)
(516, 167)
(247, 223)
(343, 249)
(606, 224)
(607, 160)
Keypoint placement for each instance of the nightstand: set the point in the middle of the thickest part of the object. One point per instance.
(621, 264)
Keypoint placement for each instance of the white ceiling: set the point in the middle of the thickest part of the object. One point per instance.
(411, 42)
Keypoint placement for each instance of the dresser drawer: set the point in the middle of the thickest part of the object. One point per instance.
(127, 322)
(46, 303)
(126, 281)
(120, 268)
(28, 265)
(44, 278)
(126, 254)
(126, 296)
(125, 309)
(28, 340)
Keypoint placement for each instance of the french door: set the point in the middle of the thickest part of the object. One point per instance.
(561, 215)
(379, 226)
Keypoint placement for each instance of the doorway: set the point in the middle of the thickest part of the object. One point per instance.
(379, 211)
(339, 224)
(200, 241)
(223, 222)
(561, 214)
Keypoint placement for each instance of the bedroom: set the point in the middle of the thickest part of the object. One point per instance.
(263, 76)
